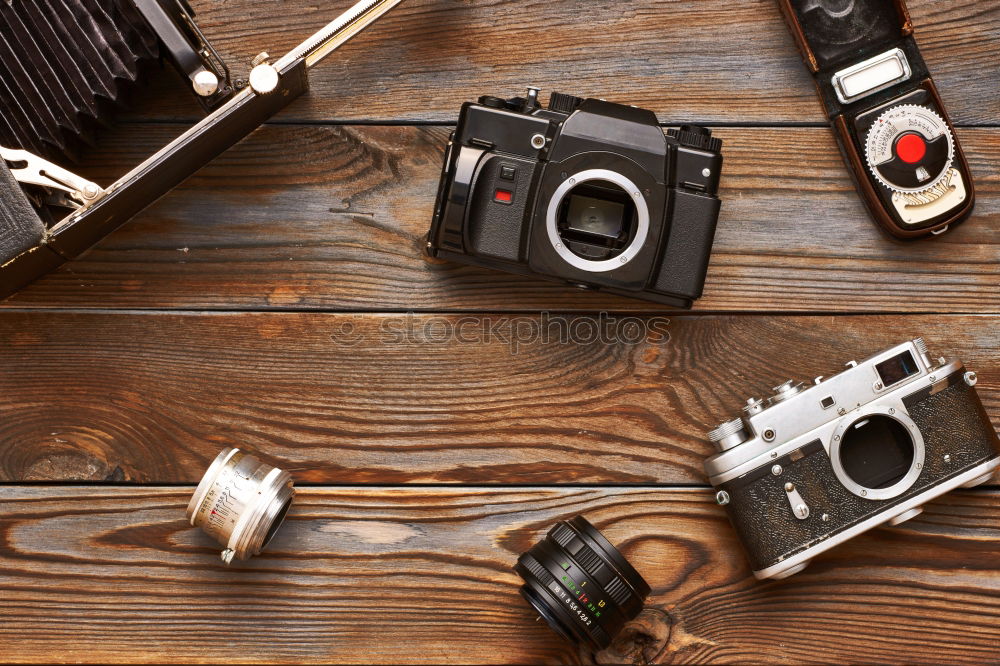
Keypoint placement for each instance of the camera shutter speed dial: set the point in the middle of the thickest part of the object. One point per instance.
(909, 148)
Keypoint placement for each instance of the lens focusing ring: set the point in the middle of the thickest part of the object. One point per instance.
(580, 584)
(240, 502)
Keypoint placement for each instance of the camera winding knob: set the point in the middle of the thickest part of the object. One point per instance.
(909, 148)
(785, 391)
(728, 435)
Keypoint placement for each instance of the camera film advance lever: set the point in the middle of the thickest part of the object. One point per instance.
(887, 116)
(30, 248)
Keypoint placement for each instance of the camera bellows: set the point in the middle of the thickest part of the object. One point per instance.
(580, 584)
(65, 66)
(20, 226)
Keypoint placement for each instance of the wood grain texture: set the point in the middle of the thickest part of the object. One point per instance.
(688, 60)
(386, 399)
(334, 218)
(424, 576)
(138, 363)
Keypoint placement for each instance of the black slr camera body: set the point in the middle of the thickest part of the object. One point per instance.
(586, 191)
(819, 463)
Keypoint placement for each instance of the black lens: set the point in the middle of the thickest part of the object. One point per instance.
(597, 220)
(580, 584)
(876, 451)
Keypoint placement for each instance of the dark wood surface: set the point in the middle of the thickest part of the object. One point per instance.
(153, 398)
(334, 218)
(382, 575)
(688, 60)
(279, 301)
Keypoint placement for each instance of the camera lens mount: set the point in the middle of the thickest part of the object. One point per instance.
(625, 197)
(580, 584)
(240, 502)
(877, 452)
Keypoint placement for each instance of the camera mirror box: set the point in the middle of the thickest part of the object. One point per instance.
(582, 191)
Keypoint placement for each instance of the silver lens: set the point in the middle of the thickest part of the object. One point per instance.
(240, 503)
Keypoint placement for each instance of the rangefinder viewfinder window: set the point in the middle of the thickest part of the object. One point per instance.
(896, 369)
(597, 220)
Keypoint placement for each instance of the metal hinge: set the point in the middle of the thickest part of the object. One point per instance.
(70, 190)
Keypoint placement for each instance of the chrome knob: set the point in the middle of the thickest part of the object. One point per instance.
(785, 391)
(728, 435)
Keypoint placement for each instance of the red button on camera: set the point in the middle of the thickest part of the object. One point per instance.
(503, 196)
(911, 148)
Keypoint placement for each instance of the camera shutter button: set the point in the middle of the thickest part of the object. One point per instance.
(785, 391)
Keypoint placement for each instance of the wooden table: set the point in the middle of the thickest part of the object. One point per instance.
(258, 306)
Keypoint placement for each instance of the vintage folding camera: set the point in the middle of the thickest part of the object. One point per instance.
(817, 464)
(585, 191)
(889, 121)
(62, 60)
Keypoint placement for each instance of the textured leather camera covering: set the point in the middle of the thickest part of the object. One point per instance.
(952, 422)
(495, 229)
(689, 244)
(20, 226)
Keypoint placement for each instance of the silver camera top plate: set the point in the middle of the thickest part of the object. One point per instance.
(799, 414)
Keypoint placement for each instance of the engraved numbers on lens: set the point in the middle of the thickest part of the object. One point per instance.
(580, 584)
(240, 502)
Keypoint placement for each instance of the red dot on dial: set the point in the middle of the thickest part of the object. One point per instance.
(911, 148)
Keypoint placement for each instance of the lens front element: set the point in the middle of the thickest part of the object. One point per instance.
(580, 584)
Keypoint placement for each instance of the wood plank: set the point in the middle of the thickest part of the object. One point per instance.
(334, 218)
(424, 576)
(385, 399)
(689, 60)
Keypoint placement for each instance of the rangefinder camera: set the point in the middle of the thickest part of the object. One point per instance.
(816, 464)
(584, 191)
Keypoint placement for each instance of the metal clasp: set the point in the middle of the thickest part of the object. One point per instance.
(75, 191)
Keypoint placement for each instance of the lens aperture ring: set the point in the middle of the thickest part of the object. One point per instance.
(582, 584)
(594, 564)
(536, 569)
